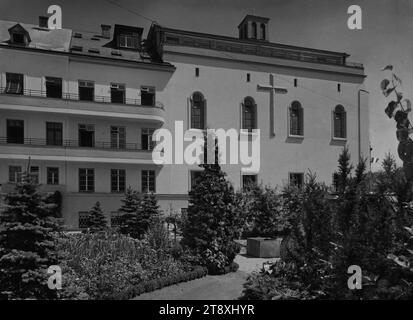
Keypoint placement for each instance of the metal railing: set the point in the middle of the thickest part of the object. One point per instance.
(76, 97)
(73, 144)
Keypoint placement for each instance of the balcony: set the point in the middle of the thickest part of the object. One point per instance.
(71, 150)
(69, 103)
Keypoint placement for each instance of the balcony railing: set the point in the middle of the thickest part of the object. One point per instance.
(75, 97)
(72, 144)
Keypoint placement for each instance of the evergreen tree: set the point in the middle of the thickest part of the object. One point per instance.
(96, 220)
(129, 210)
(210, 228)
(27, 244)
(149, 211)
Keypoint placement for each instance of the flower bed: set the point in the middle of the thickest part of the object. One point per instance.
(113, 266)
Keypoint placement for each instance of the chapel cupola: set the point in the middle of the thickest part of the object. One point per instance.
(253, 28)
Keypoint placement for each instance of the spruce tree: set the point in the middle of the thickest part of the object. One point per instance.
(96, 220)
(129, 210)
(210, 229)
(27, 244)
(149, 210)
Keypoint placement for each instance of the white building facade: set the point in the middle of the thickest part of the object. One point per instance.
(82, 107)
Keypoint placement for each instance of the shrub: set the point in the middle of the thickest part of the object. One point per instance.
(209, 230)
(130, 224)
(96, 221)
(102, 265)
(27, 244)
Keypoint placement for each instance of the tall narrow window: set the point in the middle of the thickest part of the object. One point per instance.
(148, 181)
(248, 77)
(296, 119)
(338, 87)
(52, 175)
(117, 180)
(339, 116)
(117, 137)
(196, 72)
(296, 179)
(198, 111)
(53, 87)
(14, 83)
(148, 96)
(15, 174)
(86, 180)
(86, 90)
(146, 139)
(254, 30)
(295, 82)
(263, 31)
(54, 133)
(86, 135)
(248, 114)
(117, 93)
(15, 131)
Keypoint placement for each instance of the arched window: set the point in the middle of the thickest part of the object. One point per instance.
(249, 114)
(198, 111)
(296, 119)
(254, 30)
(262, 31)
(339, 116)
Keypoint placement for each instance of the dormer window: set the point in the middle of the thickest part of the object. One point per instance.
(18, 38)
(19, 35)
(128, 41)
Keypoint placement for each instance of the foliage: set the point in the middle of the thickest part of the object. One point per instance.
(209, 230)
(259, 208)
(359, 225)
(129, 210)
(103, 265)
(27, 246)
(149, 212)
(55, 198)
(96, 220)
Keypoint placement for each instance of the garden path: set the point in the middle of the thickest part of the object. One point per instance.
(224, 287)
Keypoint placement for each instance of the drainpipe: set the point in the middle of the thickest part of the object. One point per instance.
(358, 119)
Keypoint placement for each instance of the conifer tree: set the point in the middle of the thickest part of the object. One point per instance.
(210, 229)
(149, 208)
(96, 221)
(129, 210)
(27, 244)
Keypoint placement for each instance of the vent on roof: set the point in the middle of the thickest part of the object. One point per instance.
(94, 38)
(116, 53)
(76, 48)
(93, 50)
(77, 35)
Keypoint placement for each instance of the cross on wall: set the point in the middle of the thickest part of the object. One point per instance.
(273, 90)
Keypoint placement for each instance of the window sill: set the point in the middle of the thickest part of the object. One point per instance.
(292, 136)
(338, 139)
(248, 133)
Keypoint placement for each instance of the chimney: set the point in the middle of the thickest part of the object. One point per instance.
(105, 30)
(43, 22)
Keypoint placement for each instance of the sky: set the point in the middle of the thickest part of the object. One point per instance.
(385, 37)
